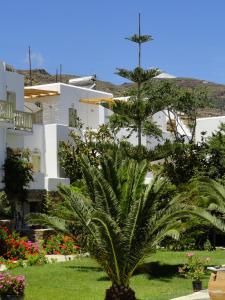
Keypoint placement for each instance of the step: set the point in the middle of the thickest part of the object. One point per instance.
(202, 295)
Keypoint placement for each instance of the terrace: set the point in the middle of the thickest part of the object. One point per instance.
(15, 119)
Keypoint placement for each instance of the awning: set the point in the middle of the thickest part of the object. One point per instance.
(97, 101)
(30, 93)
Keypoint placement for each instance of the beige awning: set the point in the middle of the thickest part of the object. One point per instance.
(97, 101)
(30, 93)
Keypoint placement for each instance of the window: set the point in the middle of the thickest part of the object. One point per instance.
(36, 161)
(11, 98)
(72, 117)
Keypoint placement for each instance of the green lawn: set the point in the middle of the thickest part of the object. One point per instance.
(82, 279)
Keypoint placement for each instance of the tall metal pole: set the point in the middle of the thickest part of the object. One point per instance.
(60, 73)
(30, 67)
(56, 75)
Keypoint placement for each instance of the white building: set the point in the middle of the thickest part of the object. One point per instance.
(15, 124)
(208, 126)
(54, 114)
(38, 118)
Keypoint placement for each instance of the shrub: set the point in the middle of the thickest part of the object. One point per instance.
(13, 247)
(195, 267)
(11, 285)
(36, 259)
(60, 244)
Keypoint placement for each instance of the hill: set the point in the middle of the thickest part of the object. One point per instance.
(216, 91)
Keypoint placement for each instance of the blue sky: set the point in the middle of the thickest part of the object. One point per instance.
(87, 37)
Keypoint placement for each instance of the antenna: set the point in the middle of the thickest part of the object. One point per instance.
(30, 68)
(60, 73)
(56, 75)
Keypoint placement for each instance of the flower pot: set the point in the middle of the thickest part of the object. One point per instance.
(216, 287)
(197, 285)
(12, 297)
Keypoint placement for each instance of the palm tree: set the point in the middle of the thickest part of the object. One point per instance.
(213, 194)
(121, 219)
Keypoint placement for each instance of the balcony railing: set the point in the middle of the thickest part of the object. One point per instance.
(6, 111)
(23, 120)
(37, 117)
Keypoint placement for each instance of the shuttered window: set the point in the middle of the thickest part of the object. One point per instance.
(72, 117)
(36, 162)
(11, 98)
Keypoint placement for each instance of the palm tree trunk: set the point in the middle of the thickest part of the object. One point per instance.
(120, 293)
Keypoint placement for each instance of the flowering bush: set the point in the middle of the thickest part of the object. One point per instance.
(11, 285)
(13, 247)
(36, 259)
(59, 244)
(195, 267)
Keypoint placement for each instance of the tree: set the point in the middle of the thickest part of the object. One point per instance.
(91, 143)
(18, 174)
(119, 219)
(135, 113)
(181, 105)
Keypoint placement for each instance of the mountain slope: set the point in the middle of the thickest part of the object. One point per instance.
(216, 91)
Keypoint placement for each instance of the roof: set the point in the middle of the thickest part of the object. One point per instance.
(165, 76)
(32, 93)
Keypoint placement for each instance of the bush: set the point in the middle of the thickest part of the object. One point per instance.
(36, 259)
(60, 244)
(12, 285)
(13, 247)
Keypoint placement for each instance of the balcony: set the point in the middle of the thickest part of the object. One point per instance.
(11, 119)
(23, 120)
(6, 112)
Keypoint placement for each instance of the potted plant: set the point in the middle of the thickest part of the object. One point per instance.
(12, 287)
(194, 268)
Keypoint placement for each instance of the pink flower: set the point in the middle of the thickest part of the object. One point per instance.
(190, 254)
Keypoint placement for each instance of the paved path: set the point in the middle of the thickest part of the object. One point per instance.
(203, 295)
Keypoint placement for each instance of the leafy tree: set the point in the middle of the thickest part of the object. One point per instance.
(215, 154)
(119, 219)
(181, 105)
(18, 174)
(91, 143)
(183, 162)
(135, 113)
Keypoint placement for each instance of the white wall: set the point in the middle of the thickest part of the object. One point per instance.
(56, 108)
(2, 82)
(46, 139)
(14, 139)
(53, 134)
(208, 125)
(36, 141)
(12, 82)
(150, 142)
(51, 160)
(15, 83)
(160, 119)
(70, 97)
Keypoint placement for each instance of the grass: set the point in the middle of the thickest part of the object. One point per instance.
(83, 279)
